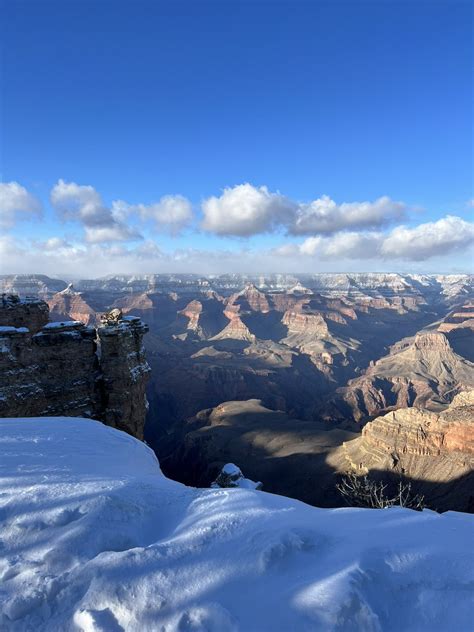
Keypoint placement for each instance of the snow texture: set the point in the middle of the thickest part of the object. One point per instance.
(95, 538)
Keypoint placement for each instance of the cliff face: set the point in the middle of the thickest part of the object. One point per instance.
(423, 372)
(27, 312)
(434, 448)
(125, 373)
(67, 368)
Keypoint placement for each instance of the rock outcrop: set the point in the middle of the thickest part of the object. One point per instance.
(250, 298)
(423, 371)
(235, 330)
(231, 476)
(27, 312)
(192, 312)
(125, 373)
(70, 304)
(434, 449)
(310, 324)
(68, 368)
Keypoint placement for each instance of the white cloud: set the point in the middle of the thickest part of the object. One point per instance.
(84, 204)
(115, 232)
(286, 250)
(325, 216)
(79, 202)
(420, 243)
(149, 250)
(312, 246)
(353, 246)
(343, 246)
(16, 203)
(172, 213)
(55, 243)
(8, 248)
(432, 239)
(246, 210)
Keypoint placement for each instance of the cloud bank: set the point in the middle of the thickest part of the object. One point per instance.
(433, 239)
(316, 236)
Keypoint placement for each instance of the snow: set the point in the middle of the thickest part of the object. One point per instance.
(13, 330)
(231, 469)
(95, 538)
(60, 325)
(231, 476)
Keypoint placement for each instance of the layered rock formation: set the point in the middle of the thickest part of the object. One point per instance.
(53, 369)
(289, 340)
(31, 285)
(235, 330)
(27, 312)
(311, 324)
(354, 286)
(423, 372)
(50, 372)
(193, 311)
(70, 304)
(250, 298)
(125, 373)
(434, 449)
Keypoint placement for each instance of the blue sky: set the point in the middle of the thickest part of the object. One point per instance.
(357, 101)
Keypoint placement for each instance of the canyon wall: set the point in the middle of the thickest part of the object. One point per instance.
(435, 450)
(69, 368)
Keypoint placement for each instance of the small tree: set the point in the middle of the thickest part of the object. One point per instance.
(361, 491)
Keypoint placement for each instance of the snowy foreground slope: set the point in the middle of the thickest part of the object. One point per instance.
(93, 537)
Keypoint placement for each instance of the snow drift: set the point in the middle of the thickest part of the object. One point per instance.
(94, 537)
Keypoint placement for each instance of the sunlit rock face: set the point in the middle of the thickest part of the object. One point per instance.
(423, 371)
(434, 449)
(70, 304)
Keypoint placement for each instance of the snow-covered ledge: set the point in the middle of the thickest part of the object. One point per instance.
(94, 537)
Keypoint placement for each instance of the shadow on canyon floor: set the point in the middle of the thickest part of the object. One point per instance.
(302, 460)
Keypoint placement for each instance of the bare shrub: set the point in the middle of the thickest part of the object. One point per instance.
(361, 491)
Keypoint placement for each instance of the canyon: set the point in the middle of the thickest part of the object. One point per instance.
(280, 373)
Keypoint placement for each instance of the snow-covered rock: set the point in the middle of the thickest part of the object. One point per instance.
(231, 476)
(94, 537)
